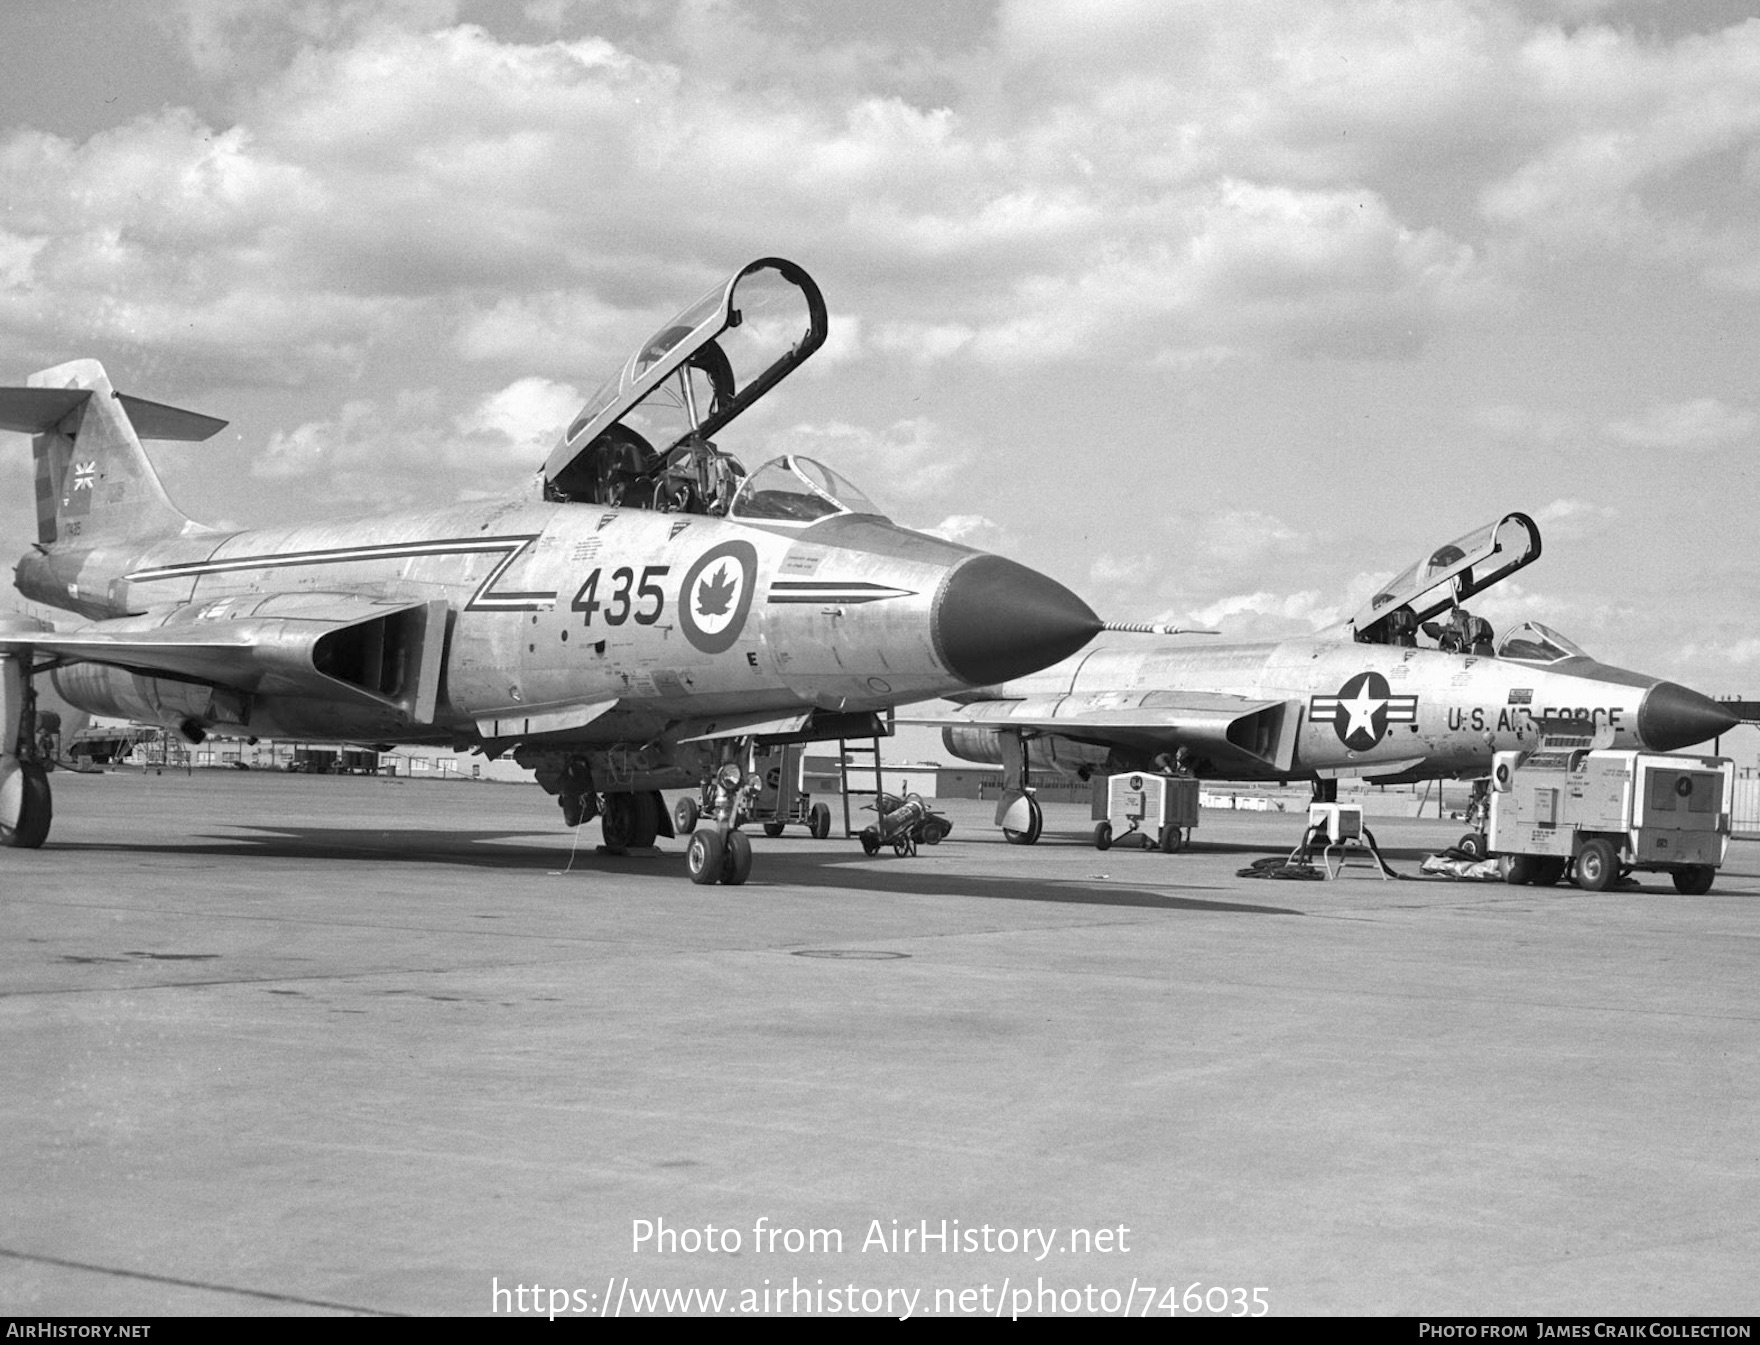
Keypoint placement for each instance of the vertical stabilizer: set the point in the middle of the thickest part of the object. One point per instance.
(93, 479)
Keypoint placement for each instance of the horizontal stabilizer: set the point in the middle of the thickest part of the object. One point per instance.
(39, 410)
(154, 420)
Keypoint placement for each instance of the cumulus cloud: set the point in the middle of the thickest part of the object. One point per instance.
(912, 460)
(1701, 423)
(1264, 614)
(974, 530)
(1123, 570)
(1246, 536)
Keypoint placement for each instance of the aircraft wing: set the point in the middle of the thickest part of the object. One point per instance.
(331, 646)
(1263, 730)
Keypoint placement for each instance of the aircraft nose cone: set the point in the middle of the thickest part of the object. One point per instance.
(994, 620)
(1672, 716)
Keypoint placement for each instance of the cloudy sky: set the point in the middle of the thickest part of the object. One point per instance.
(1218, 311)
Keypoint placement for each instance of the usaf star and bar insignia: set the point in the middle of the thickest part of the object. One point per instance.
(1362, 710)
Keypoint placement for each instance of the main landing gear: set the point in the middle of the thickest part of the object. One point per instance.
(1017, 811)
(26, 807)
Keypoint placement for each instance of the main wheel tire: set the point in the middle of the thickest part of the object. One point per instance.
(1035, 824)
(870, 841)
(684, 816)
(819, 823)
(736, 863)
(1172, 840)
(616, 822)
(1694, 880)
(26, 806)
(705, 856)
(773, 828)
(1474, 844)
(644, 821)
(1597, 866)
(1522, 870)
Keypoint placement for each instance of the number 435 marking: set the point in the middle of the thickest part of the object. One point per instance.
(617, 610)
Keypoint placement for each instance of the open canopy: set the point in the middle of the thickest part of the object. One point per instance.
(688, 380)
(1448, 576)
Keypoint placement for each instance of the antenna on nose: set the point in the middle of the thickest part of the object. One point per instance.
(1153, 628)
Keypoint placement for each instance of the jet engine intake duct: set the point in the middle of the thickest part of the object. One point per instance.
(377, 656)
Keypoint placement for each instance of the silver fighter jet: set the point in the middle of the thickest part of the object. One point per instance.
(1364, 699)
(636, 620)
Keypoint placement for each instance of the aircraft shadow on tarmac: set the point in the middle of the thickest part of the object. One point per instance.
(902, 879)
(493, 850)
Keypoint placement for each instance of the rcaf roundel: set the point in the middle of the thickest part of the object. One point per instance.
(717, 594)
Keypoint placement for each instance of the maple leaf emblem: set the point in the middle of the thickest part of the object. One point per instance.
(715, 595)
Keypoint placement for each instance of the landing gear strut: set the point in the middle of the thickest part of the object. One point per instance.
(719, 852)
(1017, 811)
(26, 807)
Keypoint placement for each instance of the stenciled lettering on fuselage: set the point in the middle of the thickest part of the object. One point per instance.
(1518, 717)
(1362, 710)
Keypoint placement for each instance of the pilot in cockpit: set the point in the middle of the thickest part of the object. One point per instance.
(1462, 633)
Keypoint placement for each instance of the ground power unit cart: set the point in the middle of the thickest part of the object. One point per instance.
(1600, 814)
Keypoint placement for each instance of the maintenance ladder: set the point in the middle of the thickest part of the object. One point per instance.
(858, 759)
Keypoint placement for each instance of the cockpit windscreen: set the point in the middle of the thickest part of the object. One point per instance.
(1533, 643)
(793, 489)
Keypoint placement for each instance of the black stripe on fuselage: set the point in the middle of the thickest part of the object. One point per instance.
(484, 599)
(831, 590)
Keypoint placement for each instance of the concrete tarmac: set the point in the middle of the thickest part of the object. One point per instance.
(279, 1044)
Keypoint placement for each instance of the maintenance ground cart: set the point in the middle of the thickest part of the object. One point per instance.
(782, 796)
(1601, 814)
(1153, 810)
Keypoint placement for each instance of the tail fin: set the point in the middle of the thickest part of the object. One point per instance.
(94, 480)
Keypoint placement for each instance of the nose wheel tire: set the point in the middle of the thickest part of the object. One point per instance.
(1474, 844)
(26, 807)
(1035, 824)
(705, 856)
(736, 861)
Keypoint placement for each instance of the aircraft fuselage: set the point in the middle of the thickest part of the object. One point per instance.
(551, 611)
(1324, 707)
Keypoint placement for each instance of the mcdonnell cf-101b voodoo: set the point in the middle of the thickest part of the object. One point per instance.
(637, 620)
(1364, 699)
